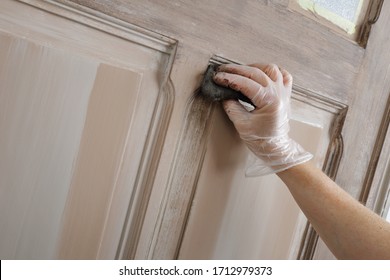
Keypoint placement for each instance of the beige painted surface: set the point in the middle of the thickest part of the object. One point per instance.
(110, 110)
(164, 151)
(82, 105)
(44, 95)
(247, 31)
(236, 217)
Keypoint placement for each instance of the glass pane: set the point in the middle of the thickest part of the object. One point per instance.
(345, 14)
(346, 9)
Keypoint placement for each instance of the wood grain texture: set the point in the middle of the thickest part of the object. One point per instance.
(250, 31)
(378, 189)
(363, 122)
(318, 59)
(175, 213)
(104, 136)
(136, 114)
(44, 93)
(237, 217)
(131, 232)
(185, 84)
(306, 107)
(367, 107)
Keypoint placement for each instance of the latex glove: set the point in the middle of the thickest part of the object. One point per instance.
(265, 129)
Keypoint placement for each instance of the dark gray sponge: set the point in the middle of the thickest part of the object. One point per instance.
(214, 92)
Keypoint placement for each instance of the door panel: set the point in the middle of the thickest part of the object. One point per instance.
(83, 104)
(146, 173)
(237, 217)
(44, 94)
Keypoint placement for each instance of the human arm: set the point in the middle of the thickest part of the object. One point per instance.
(350, 230)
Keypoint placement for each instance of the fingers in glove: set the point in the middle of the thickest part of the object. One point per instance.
(271, 70)
(253, 90)
(252, 73)
(276, 73)
(287, 78)
(235, 111)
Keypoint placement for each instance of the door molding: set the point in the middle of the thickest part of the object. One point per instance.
(379, 157)
(333, 156)
(128, 231)
(183, 180)
(189, 156)
(376, 187)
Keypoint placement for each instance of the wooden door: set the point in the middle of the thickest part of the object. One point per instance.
(111, 135)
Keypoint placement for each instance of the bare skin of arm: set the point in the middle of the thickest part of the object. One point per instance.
(350, 230)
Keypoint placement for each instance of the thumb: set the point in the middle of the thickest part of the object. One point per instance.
(235, 110)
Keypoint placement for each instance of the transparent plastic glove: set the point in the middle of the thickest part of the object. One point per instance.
(265, 129)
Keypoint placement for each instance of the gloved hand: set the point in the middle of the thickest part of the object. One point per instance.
(265, 129)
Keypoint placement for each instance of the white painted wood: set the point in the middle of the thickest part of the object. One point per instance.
(235, 217)
(44, 94)
(110, 111)
(158, 155)
(83, 137)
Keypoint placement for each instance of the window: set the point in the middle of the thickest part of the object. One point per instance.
(348, 17)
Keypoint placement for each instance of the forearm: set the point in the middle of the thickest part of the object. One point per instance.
(350, 230)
